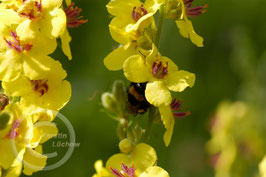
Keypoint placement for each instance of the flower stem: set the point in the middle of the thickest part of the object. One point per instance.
(160, 25)
(149, 124)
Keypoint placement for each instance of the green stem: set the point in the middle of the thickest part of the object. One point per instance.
(160, 25)
(148, 129)
(149, 124)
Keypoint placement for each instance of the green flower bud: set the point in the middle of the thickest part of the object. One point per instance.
(110, 103)
(138, 132)
(121, 130)
(125, 146)
(130, 135)
(173, 10)
(4, 119)
(120, 94)
(134, 134)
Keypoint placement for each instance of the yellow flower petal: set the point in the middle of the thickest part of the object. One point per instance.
(168, 121)
(43, 131)
(11, 87)
(65, 40)
(262, 167)
(38, 114)
(135, 69)
(143, 156)
(187, 31)
(100, 170)
(121, 7)
(154, 171)
(115, 60)
(51, 4)
(179, 80)
(36, 67)
(158, 94)
(27, 30)
(118, 32)
(116, 160)
(54, 23)
(33, 160)
(9, 16)
(10, 66)
(41, 47)
(8, 157)
(13, 171)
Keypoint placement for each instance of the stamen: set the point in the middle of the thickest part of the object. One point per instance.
(195, 11)
(181, 114)
(40, 86)
(73, 16)
(16, 44)
(177, 112)
(116, 172)
(139, 12)
(159, 70)
(31, 9)
(125, 172)
(176, 104)
(13, 133)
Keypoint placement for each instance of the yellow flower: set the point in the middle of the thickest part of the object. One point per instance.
(161, 74)
(51, 91)
(262, 167)
(21, 142)
(180, 10)
(234, 139)
(20, 53)
(140, 163)
(100, 170)
(133, 28)
(133, 13)
(44, 15)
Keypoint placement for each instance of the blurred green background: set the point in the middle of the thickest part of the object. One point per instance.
(233, 30)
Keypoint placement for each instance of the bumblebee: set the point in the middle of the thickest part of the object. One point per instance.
(137, 103)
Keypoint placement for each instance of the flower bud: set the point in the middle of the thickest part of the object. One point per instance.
(138, 132)
(125, 146)
(121, 130)
(173, 10)
(134, 133)
(120, 94)
(109, 102)
(4, 101)
(4, 119)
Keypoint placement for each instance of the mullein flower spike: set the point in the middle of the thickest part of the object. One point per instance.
(34, 83)
(152, 77)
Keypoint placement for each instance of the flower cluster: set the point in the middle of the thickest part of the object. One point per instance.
(34, 84)
(152, 76)
(238, 139)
